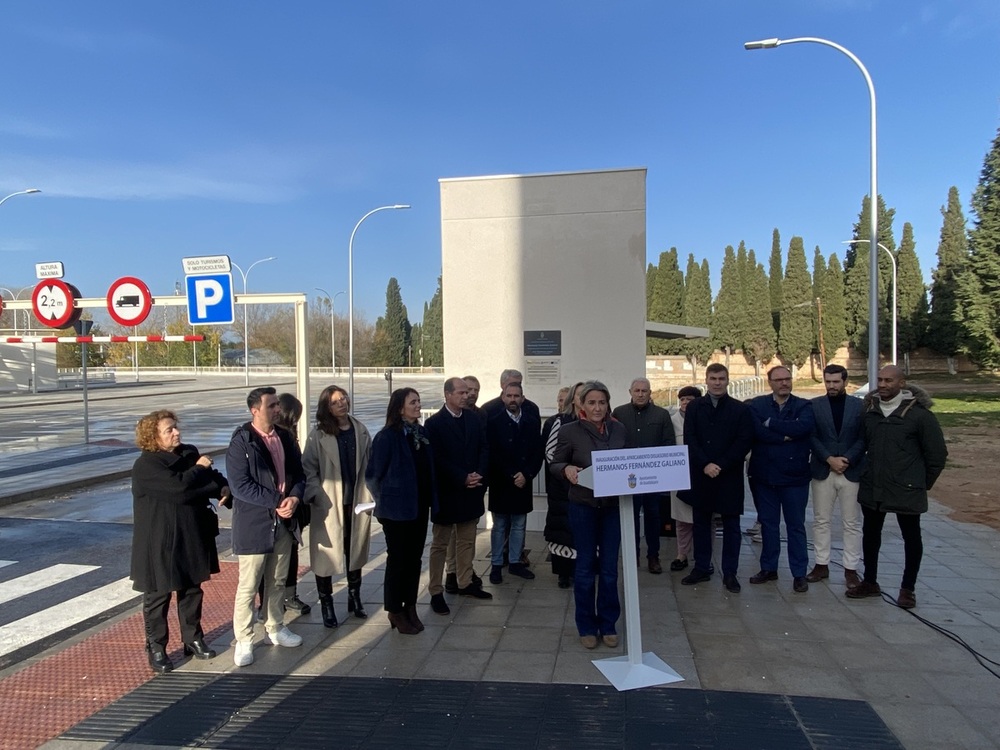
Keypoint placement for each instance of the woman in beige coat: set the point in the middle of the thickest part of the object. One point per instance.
(334, 460)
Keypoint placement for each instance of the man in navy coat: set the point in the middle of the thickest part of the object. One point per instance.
(838, 451)
(779, 475)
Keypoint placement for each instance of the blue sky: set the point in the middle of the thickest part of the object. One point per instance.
(163, 130)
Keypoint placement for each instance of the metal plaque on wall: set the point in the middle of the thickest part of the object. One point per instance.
(543, 343)
(538, 371)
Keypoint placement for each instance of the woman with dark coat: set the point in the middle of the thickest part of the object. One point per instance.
(400, 477)
(594, 520)
(173, 534)
(557, 531)
(335, 460)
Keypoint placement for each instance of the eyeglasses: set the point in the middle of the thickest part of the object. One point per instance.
(781, 380)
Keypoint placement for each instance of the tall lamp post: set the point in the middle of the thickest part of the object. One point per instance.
(873, 266)
(350, 294)
(333, 329)
(246, 347)
(29, 191)
(895, 290)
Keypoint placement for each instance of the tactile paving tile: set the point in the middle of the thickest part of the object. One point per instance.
(266, 711)
(48, 697)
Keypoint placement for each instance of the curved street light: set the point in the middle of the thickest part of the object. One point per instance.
(333, 332)
(895, 289)
(246, 347)
(873, 265)
(29, 191)
(350, 294)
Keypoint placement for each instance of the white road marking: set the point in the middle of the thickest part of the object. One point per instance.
(5, 563)
(50, 621)
(40, 579)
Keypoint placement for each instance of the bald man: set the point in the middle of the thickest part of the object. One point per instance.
(906, 454)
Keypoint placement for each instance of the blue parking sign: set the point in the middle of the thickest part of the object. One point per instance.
(210, 299)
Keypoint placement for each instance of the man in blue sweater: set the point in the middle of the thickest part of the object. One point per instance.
(779, 475)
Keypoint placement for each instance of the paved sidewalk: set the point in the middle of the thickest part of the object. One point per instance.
(925, 690)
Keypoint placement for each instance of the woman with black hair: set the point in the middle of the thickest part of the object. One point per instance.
(335, 460)
(400, 477)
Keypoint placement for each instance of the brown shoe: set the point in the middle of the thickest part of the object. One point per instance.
(611, 641)
(852, 578)
(818, 573)
(588, 641)
(654, 565)
(906, 599)
(864, 590)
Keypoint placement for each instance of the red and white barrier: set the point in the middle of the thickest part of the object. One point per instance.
(96, 339)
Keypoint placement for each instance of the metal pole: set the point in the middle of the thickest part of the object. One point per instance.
(895, 290)
(246, 332)
(350, 295)
(873, 227)
(86, 404)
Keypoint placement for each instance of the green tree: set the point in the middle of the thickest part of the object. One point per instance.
(697, 311)
(912, 296)
(759, 338)
(392, 331)
(70, 356)
(727, 323)
(651, 343)
(774, 280)
(796, 335)
(943, 333)
(431, 340)
(834, 311)
(667, 305)
(979, 285)
(819, 278)
(856, 275)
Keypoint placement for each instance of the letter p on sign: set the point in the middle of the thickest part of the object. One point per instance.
(210, 299)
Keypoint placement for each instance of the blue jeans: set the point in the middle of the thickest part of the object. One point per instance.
(731, 540)
(597, 536)
(772, 503)
(649, 504)
(515, 522)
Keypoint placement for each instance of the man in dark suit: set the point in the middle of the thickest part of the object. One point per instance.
(838, 450)
(458, 438)
(515, 445)
(718, 432)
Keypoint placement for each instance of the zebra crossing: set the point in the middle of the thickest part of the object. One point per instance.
(57, 579)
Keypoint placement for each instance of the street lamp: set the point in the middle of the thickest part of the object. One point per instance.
(29, 191)
(350, 294)
(873, 265)
(246, 347)
(895, 290)
(333, 331)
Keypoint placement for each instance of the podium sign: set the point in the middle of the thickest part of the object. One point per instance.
(637, 471)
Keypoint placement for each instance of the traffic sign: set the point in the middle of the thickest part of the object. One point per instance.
(129, 301)
(210, 299)
(204, 264)
(52, 270)
(54, 303)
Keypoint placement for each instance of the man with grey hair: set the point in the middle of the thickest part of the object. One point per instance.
(648, 426)
(496, 406)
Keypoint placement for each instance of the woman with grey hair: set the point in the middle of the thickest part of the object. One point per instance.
(594, 521)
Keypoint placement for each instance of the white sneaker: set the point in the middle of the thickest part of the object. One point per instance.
(285, 637)
(243, 655)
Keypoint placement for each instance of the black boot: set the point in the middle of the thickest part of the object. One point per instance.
(354, 603)
(159, 662)
(329, 616)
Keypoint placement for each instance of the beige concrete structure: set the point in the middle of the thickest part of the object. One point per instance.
(529, 257)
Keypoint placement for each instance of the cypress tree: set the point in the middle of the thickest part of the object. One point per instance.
(856, 275)
(652, 345)
(834, 312)
(392, 331)
(819, 278)
(795, 337)
(727, 329)
(979, 285)
(774, 280)
(943, 333)
(759, 337)
(431, 341)
(743, 276)
(697, 311)
(668, 299)
(912, 296)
